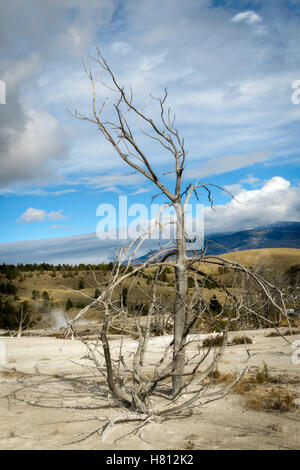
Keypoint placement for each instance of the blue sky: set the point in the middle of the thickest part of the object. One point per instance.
(229, 67)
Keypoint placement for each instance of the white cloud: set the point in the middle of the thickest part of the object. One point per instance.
(149, 63)
(250, 179)
(39, 215)
(249, 17)
(229, 163)
(120, 47)
(25, 191)
(276, 201)
(141, 191)
(227, 102)
(30, 136)
(22, 71)
(233, 189)
(32, 149)
(32, 215)
(55, 215)
(75, 249)
(110, 182)
(54, 227)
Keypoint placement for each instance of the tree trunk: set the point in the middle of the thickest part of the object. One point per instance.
(180, 301)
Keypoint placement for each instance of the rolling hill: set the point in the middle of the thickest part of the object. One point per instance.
(281, 235)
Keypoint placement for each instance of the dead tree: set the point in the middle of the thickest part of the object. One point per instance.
(127, 381)
(135, 379)
(120, 135)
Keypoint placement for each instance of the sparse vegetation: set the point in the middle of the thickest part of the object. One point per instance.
(274, 334)
(35, 294)
(270, 399)
(12, 315)
(8, 288)
(97, 293)
(258, 393)
(214, 305)
(263, 375)
(79, 305)
(240, 340)
(69, 305)
(212, 341)
(45, 296)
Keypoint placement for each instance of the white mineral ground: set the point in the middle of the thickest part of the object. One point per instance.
(50, 411)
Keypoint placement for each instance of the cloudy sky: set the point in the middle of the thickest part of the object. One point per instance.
(231, 68)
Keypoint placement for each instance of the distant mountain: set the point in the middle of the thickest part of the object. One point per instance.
(278, 235)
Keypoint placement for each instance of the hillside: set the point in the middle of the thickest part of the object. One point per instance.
(282, 258)
(42, 292)
(282, 235)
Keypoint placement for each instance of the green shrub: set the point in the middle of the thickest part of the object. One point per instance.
(69, 305)
(79, 305)
(263, 375)
(97, 293)
(45, 296)
(214, 305)
(35, 294)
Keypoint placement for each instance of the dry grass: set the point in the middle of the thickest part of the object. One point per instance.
(218, 377)
(257, 392)
(273, 334)
(10, 374)
(189, 442)
(270, 399)
(284, 258)
(240, 340)
(213, 341)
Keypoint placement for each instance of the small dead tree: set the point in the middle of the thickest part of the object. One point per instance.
(139, 381)
(129, 381)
